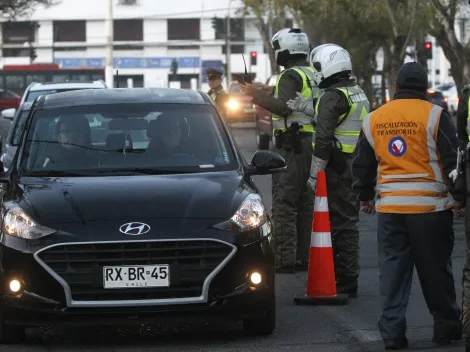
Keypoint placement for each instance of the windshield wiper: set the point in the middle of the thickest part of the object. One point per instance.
(148, 171)
(55, 173)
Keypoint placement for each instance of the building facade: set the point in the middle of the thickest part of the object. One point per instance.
(148, 36)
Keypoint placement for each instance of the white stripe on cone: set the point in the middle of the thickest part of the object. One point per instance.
(321, 204)
(320, 240)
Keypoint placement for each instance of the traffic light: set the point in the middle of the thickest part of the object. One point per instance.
(32, 54)
(428, 50)
(214, 22)
(254, 57)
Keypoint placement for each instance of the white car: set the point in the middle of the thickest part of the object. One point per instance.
(449, 90)
(36, 89)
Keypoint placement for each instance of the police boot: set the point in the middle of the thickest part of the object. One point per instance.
(399, 344)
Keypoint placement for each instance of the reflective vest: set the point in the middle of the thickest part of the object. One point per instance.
(308, 92)
(347, 133)
(410, 179)
(213, 96)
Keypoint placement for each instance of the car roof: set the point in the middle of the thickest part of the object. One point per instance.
(66, 85)
(122, 96)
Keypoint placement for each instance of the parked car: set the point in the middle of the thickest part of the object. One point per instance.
(14, 134)
(36, 89)
(149, 215)
(9, 99)
(449, 90)
(19, 116)
(437, 98)
(240, 107)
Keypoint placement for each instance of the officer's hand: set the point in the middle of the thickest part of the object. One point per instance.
(368, 207)
(298, 104)
(453, 175)
(248, 89)
(312, 184)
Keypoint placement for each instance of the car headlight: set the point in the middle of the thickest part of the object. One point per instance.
(233, 105)
(251, 214)
(18, 224)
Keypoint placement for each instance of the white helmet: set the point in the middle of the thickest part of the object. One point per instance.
(328, 61)
(289, 41)
(315, 50)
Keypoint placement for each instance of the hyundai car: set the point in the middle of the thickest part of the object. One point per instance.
(132, 206)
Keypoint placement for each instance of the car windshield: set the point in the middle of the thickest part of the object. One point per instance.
(126, 138)
(18, 128)
(235, 89)
(34, 94)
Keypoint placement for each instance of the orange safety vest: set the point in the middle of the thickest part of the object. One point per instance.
(410, 178)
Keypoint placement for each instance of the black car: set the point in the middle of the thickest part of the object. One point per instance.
(437, 98)
(147, 216)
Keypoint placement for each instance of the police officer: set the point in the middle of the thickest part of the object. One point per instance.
(217, 92)
(463, 170)
(406, 150)
(338, 118)
(292, 208)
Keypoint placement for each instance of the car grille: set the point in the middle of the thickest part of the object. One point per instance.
(81, 266)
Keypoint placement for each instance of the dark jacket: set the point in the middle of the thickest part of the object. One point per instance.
(332, 105)
(364, 167)
(462, 116)
(290, 83)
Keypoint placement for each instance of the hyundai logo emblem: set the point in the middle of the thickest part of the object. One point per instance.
(134, 228)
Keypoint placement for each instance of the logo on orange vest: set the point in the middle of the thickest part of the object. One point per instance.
(397, 146)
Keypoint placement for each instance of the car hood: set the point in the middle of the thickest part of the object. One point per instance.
(132, 198)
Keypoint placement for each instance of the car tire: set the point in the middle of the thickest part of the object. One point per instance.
(263, 325)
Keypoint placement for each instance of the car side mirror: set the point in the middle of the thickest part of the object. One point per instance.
(8, 114)
(266, 162)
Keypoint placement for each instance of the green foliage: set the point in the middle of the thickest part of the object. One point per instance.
(13, 9)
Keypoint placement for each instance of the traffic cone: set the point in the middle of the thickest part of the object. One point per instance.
(321, 282)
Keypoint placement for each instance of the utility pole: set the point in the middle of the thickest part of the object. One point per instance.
(109, 72)
(228, 51)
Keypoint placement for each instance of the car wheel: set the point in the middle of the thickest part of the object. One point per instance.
(264, 325)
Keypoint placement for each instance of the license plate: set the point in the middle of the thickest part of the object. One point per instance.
(138, 276)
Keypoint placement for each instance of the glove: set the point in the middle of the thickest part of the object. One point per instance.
(316, 166)
(301, 104)
(453, 175)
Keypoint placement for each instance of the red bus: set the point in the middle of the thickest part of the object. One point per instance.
(18, 77)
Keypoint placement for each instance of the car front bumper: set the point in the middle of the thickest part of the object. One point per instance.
(51, 297)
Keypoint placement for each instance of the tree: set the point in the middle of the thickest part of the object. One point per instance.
(346, 23)
(12, 9)
(443, 29)
(270, 17)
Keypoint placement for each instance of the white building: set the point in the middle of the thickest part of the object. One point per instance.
(148, 34)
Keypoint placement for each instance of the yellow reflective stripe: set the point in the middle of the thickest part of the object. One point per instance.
(348, 133)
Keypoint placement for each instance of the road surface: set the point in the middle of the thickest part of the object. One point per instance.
(299, 328)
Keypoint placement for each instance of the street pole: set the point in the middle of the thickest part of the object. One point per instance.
(228, 50)
(109, 72)
(433, 62)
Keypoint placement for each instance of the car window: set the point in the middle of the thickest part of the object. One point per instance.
(105, 139)
(34, 94)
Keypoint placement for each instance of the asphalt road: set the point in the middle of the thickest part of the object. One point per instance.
(299, 328)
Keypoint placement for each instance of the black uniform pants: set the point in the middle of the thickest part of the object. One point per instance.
(344, 217)
(466, 278)
(292, 207)
(425, 241)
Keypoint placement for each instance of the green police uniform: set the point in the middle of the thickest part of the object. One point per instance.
(336, 141)
(218, 94)
(292, 200)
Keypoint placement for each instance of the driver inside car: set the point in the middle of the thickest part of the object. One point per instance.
(74, 147)
(169, 136)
